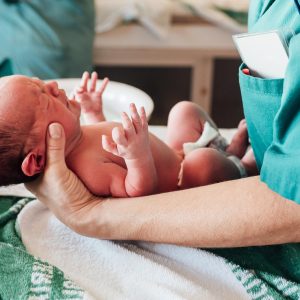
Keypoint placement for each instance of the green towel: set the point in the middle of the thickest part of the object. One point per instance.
(23, 276)
(266, 272)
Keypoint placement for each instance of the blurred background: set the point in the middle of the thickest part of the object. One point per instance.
(172, 49)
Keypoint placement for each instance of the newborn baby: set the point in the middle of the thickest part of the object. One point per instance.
(112, 159)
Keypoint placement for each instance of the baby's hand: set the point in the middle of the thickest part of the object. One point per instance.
(131, 140)
(90, 98)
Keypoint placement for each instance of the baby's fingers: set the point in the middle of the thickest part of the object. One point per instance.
(103, 86)
(84, 82)
(93, 84)
(118, 136)
(136, 120)
(128, 126)
(78, 91)
(143, 117)
(108, 145)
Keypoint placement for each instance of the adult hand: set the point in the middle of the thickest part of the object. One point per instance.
(59, 188)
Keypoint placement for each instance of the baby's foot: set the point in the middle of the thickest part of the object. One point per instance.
(240, 141)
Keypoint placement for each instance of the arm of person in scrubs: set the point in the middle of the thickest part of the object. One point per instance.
(229, 214)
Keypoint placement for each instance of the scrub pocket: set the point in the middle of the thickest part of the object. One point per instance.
(261, 101)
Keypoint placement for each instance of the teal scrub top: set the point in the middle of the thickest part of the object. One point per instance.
(272, 107)
(46, 38)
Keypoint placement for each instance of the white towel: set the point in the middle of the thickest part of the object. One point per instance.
(121, 270)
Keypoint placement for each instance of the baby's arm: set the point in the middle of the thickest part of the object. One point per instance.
(131, 142)
(104, 178)
(90, 98)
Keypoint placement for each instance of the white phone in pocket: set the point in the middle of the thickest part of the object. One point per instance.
(265, 53)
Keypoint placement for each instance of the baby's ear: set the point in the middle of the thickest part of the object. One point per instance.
(33, 164)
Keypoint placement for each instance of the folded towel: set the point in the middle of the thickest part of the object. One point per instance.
(153, 269)
(124, 270)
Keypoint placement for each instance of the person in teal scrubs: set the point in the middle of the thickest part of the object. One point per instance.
(45, 38)
(246, 212)
(272, 107)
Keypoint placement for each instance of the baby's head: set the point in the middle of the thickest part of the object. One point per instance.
(27, 107)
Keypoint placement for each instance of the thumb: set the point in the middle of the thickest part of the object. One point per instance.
(55, 144)
(55, 162)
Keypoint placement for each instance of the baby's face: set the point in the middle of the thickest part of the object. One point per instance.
(31, 102)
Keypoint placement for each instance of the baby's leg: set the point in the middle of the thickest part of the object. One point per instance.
(206, 166)
(185, 124)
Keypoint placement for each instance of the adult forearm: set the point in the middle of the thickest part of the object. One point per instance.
(230, 214)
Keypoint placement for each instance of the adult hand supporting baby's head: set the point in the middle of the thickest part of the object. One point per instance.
(58, 187)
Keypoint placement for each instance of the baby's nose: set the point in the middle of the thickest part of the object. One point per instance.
(53, 88)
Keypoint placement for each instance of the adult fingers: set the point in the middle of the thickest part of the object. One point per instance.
(55, 145)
